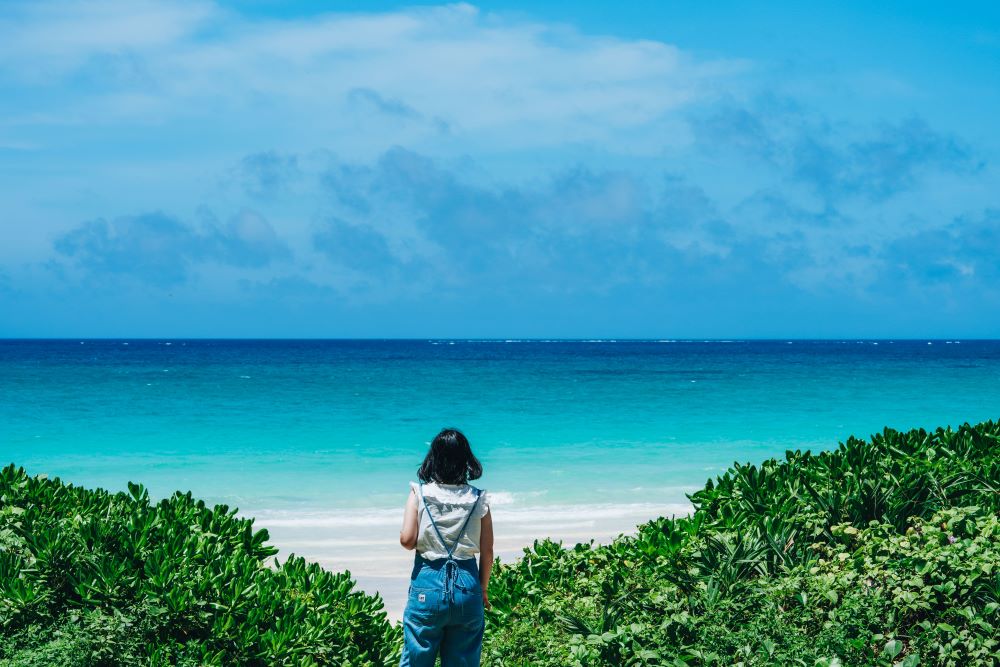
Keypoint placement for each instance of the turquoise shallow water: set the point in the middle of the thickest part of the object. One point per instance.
(288, 426)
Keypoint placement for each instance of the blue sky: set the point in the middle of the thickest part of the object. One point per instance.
(659, 169)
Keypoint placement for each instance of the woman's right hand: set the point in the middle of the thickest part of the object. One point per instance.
(486, 600)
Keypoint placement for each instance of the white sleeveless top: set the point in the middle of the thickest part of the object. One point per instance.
(450, 504)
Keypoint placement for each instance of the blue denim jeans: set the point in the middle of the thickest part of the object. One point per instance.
(444, 614)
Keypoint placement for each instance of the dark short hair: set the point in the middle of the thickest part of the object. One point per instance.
(450, 460)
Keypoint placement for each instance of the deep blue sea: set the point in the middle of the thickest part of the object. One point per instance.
(342, 425)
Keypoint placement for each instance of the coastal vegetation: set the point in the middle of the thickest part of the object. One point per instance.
(92, 578)
(882, 552)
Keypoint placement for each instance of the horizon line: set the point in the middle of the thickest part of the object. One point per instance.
(504, 339)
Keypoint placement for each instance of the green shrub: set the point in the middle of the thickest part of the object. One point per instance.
(885, 552)
(95, 578)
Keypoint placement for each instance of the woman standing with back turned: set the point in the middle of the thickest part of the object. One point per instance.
(447, 521)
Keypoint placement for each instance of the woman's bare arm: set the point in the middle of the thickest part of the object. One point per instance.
(486, 555)
(408, 534)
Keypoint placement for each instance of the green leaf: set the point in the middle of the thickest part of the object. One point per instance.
(892, 648)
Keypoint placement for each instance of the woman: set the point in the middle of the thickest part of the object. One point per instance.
(448, 522)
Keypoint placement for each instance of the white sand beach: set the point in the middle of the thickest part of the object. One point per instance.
(367, 543)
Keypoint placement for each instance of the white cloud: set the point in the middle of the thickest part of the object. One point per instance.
(486, 80)
(53, 38)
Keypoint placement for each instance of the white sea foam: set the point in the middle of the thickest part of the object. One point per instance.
(500, 498)
(537, 515)
(333, 519)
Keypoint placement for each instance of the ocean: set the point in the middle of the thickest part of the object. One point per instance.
(578, 439)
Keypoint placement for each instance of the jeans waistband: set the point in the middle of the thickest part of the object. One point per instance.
(438, 563)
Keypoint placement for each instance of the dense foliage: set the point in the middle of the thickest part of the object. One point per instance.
(92, 578)
(878, 553)
(883, 552)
